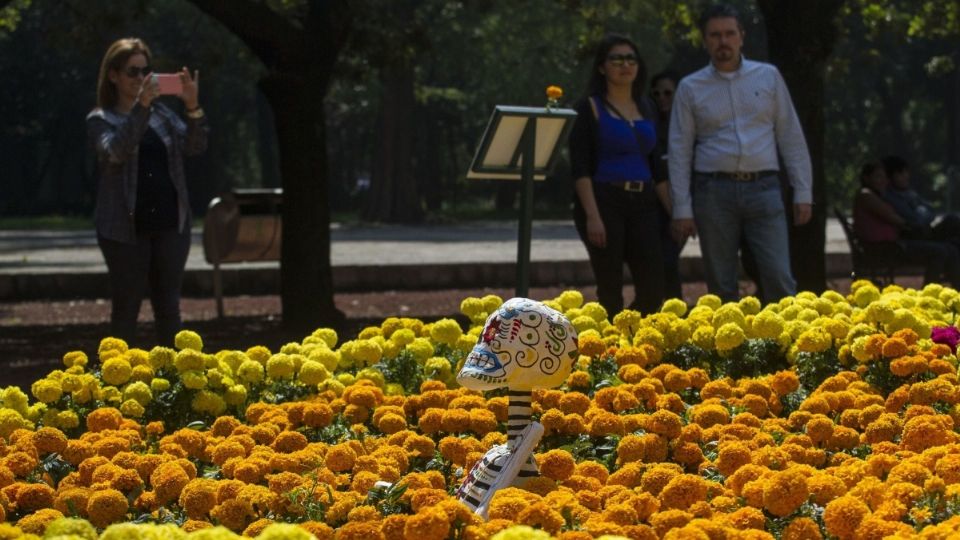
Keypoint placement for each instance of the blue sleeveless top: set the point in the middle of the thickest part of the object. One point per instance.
(621, 155)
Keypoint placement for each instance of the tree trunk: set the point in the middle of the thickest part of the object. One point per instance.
(306, 277)
(952, 99)
(394, 197)
(300, 58)
(801, 35)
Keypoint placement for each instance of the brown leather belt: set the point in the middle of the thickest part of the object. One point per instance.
(738, 176)
(634, 187)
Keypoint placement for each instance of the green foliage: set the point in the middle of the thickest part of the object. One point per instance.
(603, 374)
(753, 358)
(310, 506)
(388, 500)
(814, 368)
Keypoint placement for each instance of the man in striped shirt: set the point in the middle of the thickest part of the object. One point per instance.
(728, 122)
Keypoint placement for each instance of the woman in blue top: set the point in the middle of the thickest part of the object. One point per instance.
(613, 154)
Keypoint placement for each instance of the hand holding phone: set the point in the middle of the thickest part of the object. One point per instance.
(169, 84)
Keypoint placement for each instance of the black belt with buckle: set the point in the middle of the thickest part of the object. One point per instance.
(633, 187)
(739, 176)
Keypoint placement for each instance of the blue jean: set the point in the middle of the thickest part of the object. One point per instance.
(724, 209)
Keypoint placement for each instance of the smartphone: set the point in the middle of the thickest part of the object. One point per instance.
(169, 84)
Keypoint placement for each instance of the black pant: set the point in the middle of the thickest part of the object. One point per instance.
(633, 237)
(671, 257)
(157, 261)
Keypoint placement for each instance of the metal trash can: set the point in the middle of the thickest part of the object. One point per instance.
(241, 226)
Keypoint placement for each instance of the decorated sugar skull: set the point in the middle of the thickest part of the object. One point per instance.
(524, 345)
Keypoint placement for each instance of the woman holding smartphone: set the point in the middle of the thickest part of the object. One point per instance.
(142, 212)
(615, 162)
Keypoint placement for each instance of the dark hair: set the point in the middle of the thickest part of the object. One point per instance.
(868, 169)
(115, 58)
(719, 11)
(668, 74)
(894, 164)
(598, 81)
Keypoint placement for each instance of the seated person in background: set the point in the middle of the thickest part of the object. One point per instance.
(876, 221)
(922, 219)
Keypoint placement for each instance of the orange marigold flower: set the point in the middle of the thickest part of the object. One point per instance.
(199, 497)
(32, 497)
(682, 491)
(168, 480)
(843, 515)
(706, 415)
(106, 506)
(785, 491)
(669, 519)
(104, 419)
(340, 458)
(37, 522)
(290, 441)
(427, 524)
(556, 464)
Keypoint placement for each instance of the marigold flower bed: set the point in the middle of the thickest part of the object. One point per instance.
(818, 416)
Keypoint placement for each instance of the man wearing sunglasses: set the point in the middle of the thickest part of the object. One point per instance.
(729, 121)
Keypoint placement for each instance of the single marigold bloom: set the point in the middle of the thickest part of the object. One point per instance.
(556, 464)
(104, 419)
(706, 415)
(843, 515)
(785, 491)
(199, 497)
(32, 497)
(106, 506)
(801, 528)
(666, 520)
(168, 479)
(35, 523)
(427, 524)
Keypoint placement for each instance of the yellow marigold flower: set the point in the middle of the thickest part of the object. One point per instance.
(161, 357)
(312, 372)
(674, 305)
(46, 390)
(649, 336)
(139, 392)
(280, 367)
(711, 301)
(471, 307)
(73, 528)
(865, 295)
(729, 336)
(814, 340)
(188, 339)
(446, 331)
(75, 358)
(131, 408)
(491, 302)
(728, 314)
(767, 324)
(521, 532)
(584, 323)
(116, 371)
(843, 515)
(570, 299)
(111, 344)
(194, 380)
(750, 305)
(590, 344)
(703, 337)
(250, 371)
(421, 348)
(208, 402)
(68, 419)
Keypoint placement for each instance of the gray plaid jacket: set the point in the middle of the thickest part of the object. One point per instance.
(116, 139)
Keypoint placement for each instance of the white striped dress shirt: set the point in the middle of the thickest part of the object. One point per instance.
(735, 122)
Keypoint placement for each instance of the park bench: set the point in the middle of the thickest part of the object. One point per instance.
(241, 226)
(880, 262)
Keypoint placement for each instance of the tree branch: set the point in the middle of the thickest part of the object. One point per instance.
(266, 32)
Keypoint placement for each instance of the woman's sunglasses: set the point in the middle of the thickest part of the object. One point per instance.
(133, 71)
(622, 59)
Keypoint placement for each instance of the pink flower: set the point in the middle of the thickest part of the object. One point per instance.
(946, 335)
